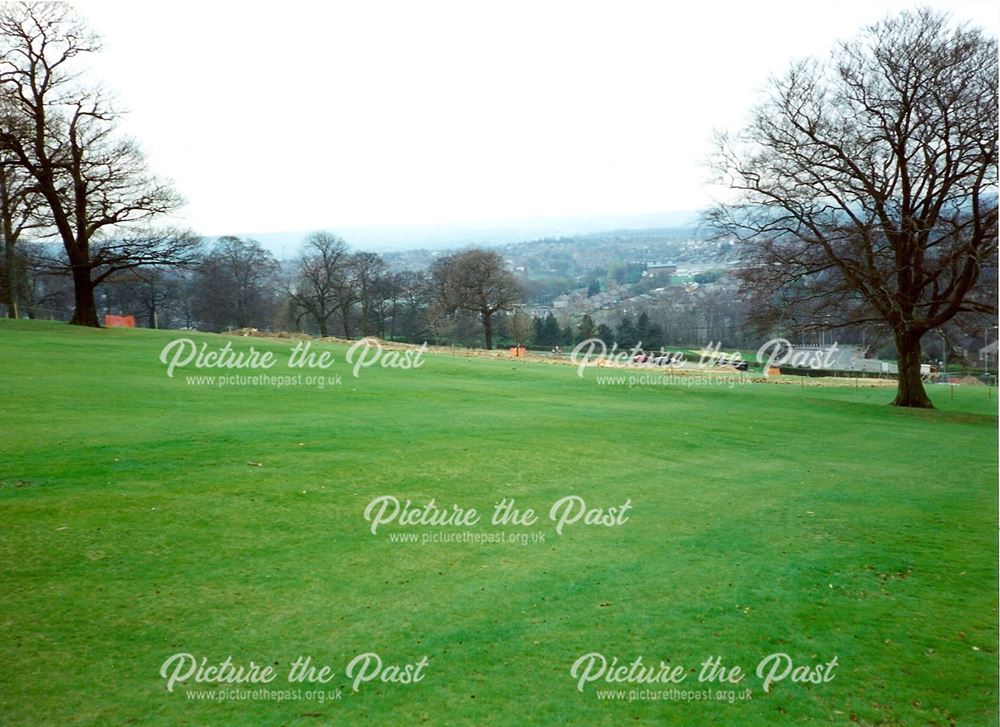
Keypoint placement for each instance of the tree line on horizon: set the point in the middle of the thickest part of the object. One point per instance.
(329, 290)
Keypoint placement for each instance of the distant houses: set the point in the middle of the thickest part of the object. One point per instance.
(659, 270)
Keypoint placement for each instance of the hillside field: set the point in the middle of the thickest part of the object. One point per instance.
(144, 516)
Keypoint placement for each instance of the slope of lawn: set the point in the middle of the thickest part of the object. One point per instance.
(143, 517)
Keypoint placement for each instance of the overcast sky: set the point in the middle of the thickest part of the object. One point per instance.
(297, 116)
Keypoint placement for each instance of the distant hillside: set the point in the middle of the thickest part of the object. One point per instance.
(395, 238)
(588, 255)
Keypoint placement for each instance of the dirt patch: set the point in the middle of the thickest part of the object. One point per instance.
(564, 360)
(281, 335)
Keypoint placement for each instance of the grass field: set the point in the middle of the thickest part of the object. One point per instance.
(143, 517)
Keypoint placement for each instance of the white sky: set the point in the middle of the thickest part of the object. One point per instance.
(295, 115)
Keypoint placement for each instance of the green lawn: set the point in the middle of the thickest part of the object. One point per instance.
(818, 522)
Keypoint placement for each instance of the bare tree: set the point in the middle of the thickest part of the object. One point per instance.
(414, 293)
(319, 280)
(156, 295)
(43, 293)
(93, 181)
(346, 292)
(868, 185)
(520, 327)
(389, 294)
(235, 284)
(476, 281)
(21, 209)
(368, 271)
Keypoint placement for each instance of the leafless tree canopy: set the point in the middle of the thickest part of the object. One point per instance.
(368, 274)
(238, 280)
(321, 279)
(476, 281)
(867, 184)
(22, 210)
(63, 134)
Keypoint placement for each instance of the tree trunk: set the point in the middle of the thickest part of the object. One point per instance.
(366, 324)
(488, 330)
(9, 240)
(911, 386)
(85, 312)
(11, 292)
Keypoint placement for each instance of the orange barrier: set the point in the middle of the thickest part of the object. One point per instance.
(518, 351)
(119, 321)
